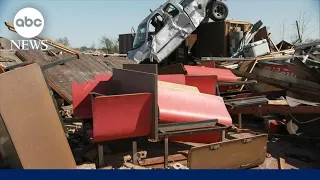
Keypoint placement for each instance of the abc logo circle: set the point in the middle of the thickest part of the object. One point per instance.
(28, 22)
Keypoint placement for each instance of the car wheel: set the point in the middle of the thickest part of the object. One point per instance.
(218, 11)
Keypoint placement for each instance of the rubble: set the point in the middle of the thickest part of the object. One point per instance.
(102, 111)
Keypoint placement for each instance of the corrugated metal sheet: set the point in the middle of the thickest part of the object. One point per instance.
(8, 58)
(80, 70)
(125, 43)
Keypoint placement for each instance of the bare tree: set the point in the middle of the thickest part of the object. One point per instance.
(302, 28)
(282, 30)
(65, 41)
(115, 47)
(93, 46)
(106, 43)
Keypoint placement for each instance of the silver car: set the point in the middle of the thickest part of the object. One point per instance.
(159, 34)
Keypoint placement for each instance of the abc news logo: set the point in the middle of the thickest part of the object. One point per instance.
(29, 23)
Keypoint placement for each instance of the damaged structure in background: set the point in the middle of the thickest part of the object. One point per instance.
(226, 97)
(159, 34)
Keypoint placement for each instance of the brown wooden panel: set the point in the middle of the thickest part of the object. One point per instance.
(172, 69)
(233, 154)
(32, 121)
(139, 82)
(148, 68)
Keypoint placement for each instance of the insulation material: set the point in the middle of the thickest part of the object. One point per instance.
(224, 75)
(111, 123)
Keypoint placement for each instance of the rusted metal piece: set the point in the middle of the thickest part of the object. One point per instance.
(247, 151)
(134, 152)
(249, 101)
(188, 125)
(166, 152)
(100, 155)
(266, 109)
(218, 127)
(240, 121)
(236, 83)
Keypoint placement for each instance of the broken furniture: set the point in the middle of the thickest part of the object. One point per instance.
(109, 100)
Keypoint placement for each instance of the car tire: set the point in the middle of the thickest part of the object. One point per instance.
(218, 11)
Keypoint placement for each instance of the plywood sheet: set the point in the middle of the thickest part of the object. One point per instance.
(31, 119)
(178, 86)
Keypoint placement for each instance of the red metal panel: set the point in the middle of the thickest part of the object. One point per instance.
(122, 116)
(173, 78)
(81, 99)
(186, 106)
(102, 77)
(210, 64)
(224, 75)
(205, 84)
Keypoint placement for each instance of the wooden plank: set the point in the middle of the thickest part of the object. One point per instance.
(61, 76)
(250, 71)
(178, 86)
(32, 121)
(286, 82)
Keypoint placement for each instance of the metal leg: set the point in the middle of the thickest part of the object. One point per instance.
(100, 155)
(223, 135)
(134, 152)
(240, 120)
(217, 89)
(166, 152)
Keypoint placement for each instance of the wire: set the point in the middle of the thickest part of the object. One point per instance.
(312, 120)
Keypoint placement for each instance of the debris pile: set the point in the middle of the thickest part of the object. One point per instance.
(60, 109)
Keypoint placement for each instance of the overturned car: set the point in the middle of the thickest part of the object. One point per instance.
(167, 27)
